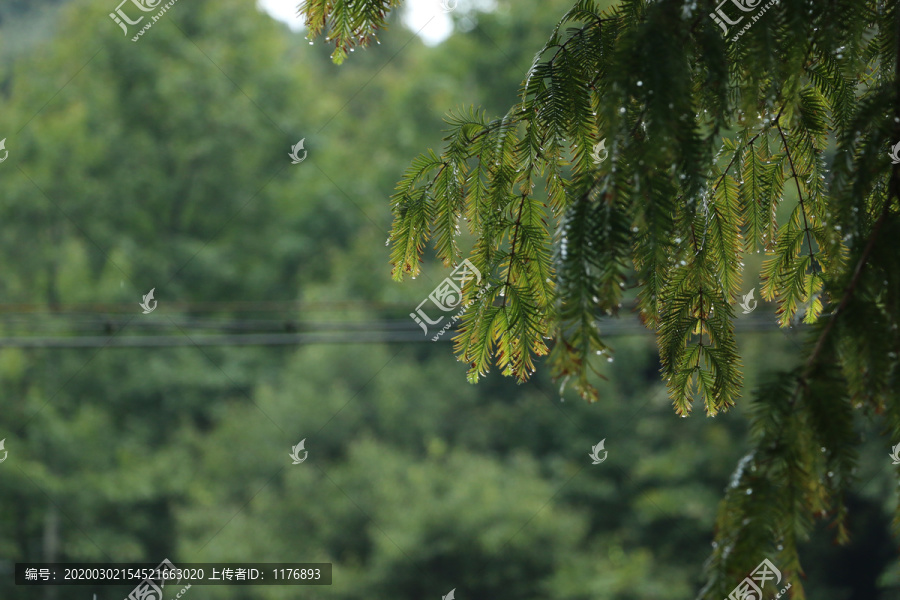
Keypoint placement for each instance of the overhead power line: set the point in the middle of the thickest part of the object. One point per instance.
(278, 333)
(199, 307)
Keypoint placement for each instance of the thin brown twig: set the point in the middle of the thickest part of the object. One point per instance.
(854, 280)
(741, 147)
(799, 193)
(512, 253)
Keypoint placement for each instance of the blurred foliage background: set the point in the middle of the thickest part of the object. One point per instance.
(163, 164)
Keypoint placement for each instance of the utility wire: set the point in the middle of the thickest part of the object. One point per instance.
(282, 333)
(197, 307)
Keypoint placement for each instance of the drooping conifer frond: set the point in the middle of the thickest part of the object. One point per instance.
(771, 139)
(349, 23)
